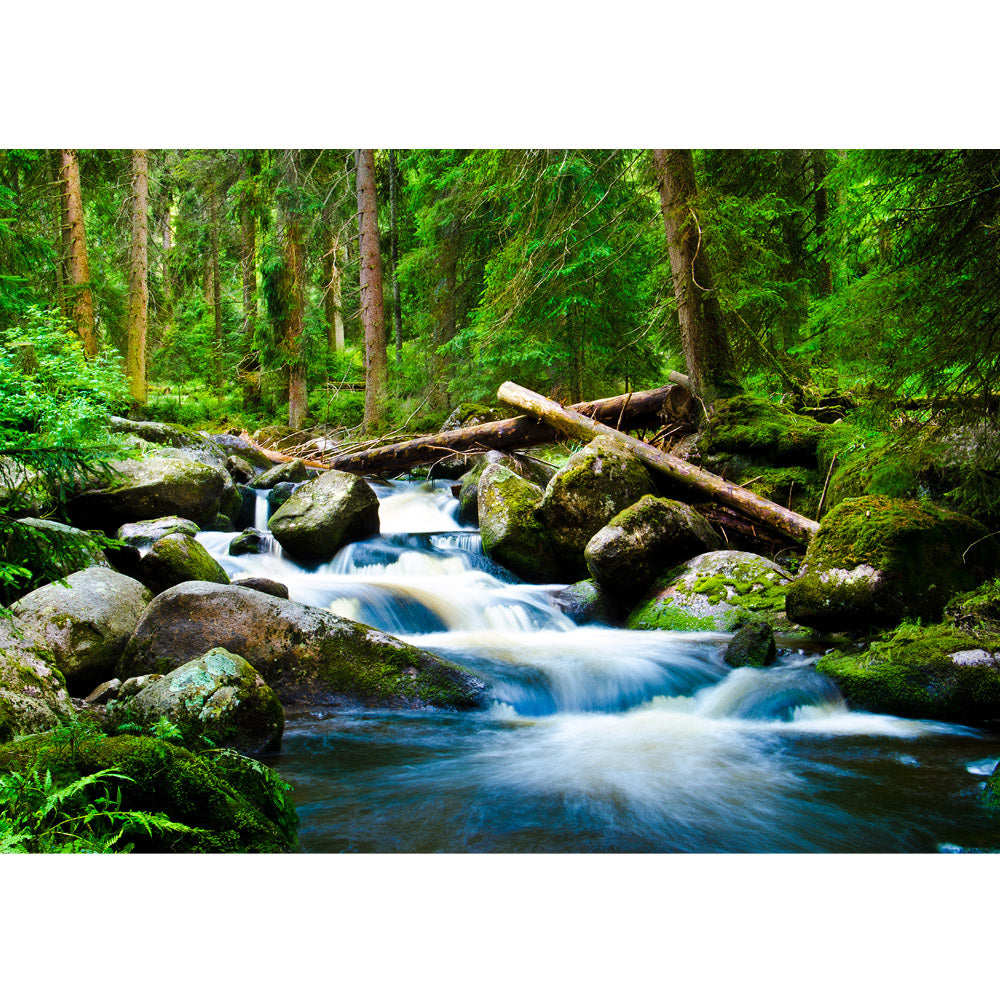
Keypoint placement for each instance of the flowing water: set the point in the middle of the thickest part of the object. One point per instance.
(597, 739)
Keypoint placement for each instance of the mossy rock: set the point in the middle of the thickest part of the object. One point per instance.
(925, 672)
(175, 559)
(142, 534)
(49, 550)
(977, 610)
(231, 808)
(324, 515)
(752, 646)
(587, 601)
(716, 591)
(305, 654)
(526, 467)
(627, 555)
(511, 532)
(295, 471)
(876, 561)
(218, 695)
(470, 415)
(249, 542)
(598, 482)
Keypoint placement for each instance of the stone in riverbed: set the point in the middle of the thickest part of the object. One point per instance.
(218, 695)
(288, 472)
(303, 653)
(752, 646)
(142, 534)
(176, 558)
(324, 515)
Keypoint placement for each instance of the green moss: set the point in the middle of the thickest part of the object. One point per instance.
(911, 672)
(669, 617)
(168, 779)
(747, 425)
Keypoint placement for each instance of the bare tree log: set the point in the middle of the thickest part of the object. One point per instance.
(633, 410)
(722, 491)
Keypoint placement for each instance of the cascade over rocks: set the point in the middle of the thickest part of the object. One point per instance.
(716, 591)
(511, 532)
(218, 695)
(598, 482)
(876, 561)
(154, 486)
(175, 559)
(83, 627)
(303, 653)
(324, 515)
(635, 546)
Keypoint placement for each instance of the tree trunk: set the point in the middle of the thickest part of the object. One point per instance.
(397, 309)
(291, 327)
(727, 494)
(216, 286)
(631, 411)
(75, 243)
(822, 210)
(138, 291)
(376, 361)
(707, 350)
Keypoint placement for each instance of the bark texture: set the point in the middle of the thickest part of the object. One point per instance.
(707, 350)
(76, 262)
(138, 290)
(376, 361)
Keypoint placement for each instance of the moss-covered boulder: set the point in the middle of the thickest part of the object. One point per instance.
(752, 646)
(586, 602)
(278, 495)
(768, 447)
(142, 534)
(637, 545)
(49, 550)
(33, 694)
(240, 469)
(716, 591)
(232, 803)
(248, 542)
(926, 672)
(263, 585)
(597, 483)
(526, 467)
(83, 623)
(510, 529)
(324, 515)
(218, 695)
(157, 485)
(304, 653)
(295, 471)
(175, 559)
(876, 561)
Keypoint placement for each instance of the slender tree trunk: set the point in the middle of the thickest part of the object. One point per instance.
(138, 292)
(216, 286)
(822, 210)
(291, 333)
(397, 308)
(168, 236)
(707, 349)
(77, 264)
(248, 369)
(60, 226)
(376, 361)
(446, 316)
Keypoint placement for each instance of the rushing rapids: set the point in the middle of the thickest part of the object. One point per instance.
(598, 739)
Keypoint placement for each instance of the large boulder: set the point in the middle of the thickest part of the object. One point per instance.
(231, 803)
(597, 483)
(295, 471)
(157, 485)
(324, 515)
(249, 541)
(218, 695)
(634, 547)
(716, 591)
(176, 558)
(33, 694)
(511, 532)
(925, 672)
(142, 534)
(468, 495)
(876, 561)
(83, 622)
(304, 653)
(49, 551)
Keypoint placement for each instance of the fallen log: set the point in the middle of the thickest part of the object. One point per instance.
(720, 490)
(632, 411)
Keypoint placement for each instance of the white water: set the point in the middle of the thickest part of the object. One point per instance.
(605, 738)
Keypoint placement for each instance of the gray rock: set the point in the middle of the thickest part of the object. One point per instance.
(324, 515)
(84, 626)
(175, 559)
(295, 471)
(50, 550)
(103, 693)
(637, 545)
(752, 646)
(304, 653)
(158, 485)
(264, 586)
(597, 483)
(249, 541)
(218, 695)
(240, 469)
(279, 495)
(142, 534)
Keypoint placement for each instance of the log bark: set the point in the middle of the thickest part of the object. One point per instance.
(634, 410)
(723, 492)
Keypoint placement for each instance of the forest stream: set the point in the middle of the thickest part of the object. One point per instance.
(598, 739)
